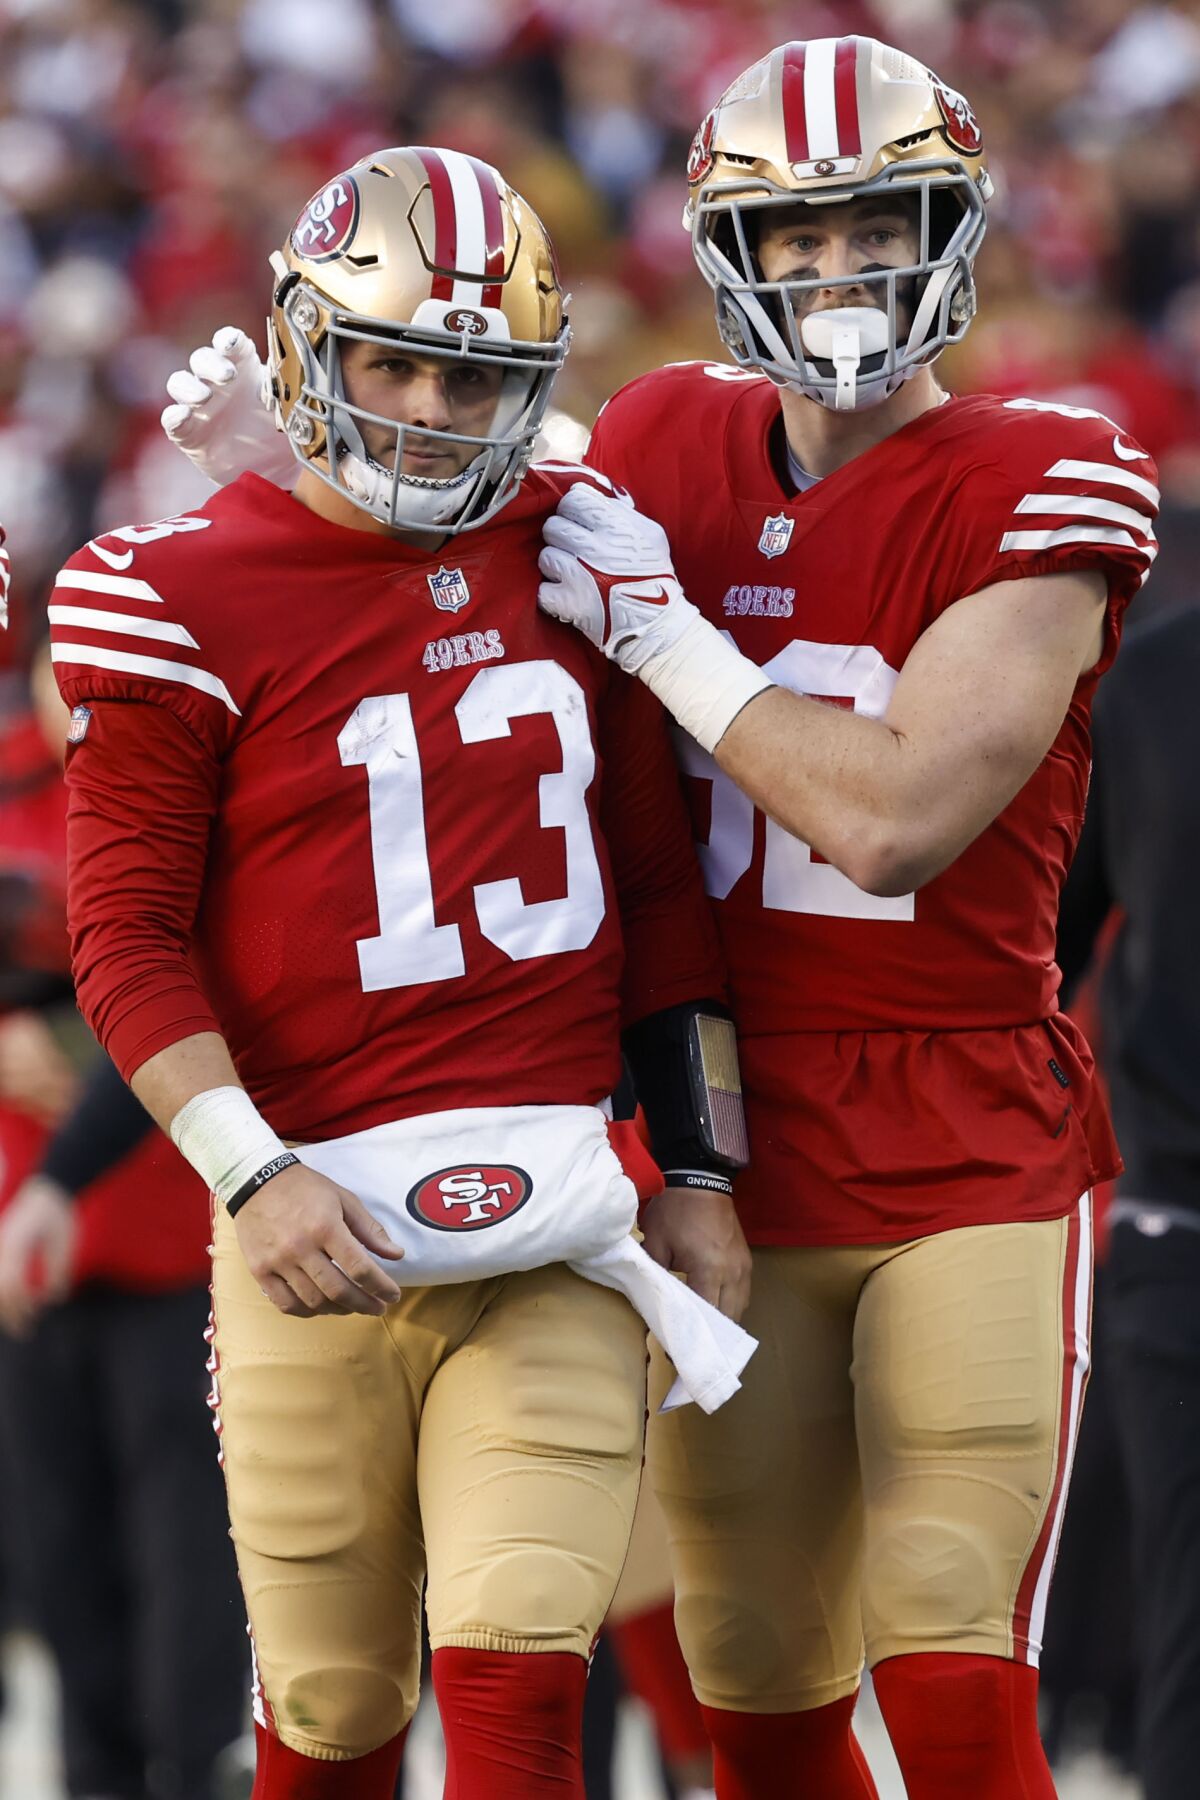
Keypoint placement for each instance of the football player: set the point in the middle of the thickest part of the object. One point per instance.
(912, 596)
(369, 859)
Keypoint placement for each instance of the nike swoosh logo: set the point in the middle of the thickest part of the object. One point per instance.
(1127, 453)
(114, 558)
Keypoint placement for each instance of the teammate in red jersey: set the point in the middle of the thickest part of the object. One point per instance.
(370, 857)
(900, 604)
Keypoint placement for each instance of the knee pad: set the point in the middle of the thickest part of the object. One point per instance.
(339, 1710)
(547, 1590)
(932, 1579)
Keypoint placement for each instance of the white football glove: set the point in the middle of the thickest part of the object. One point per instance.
(609, 574)
(4, 581)
(219, 418)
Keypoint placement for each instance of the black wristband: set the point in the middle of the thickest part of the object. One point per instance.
(249, 1188)
(699, 1178)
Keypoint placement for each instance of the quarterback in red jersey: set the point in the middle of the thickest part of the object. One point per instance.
(370, 863)
(898, 606)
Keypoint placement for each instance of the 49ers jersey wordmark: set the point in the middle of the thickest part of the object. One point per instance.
(975, 1102)
(420, 819)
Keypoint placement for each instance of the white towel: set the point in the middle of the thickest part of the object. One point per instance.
(484, 1191)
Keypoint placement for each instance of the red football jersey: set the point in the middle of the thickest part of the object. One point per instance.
(393, 819)
(904, 1064)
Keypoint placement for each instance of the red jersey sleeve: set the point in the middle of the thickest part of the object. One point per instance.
(157, 634)
(1066, 490)
(142, 794)
(671, 949)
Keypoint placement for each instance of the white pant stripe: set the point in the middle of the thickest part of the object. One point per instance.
(1081, 1299)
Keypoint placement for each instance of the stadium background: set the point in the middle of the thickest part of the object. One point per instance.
(152, 154)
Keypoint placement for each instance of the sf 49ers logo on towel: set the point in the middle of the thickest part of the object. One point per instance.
(467, 1199)
(327, 225)
(962, 127)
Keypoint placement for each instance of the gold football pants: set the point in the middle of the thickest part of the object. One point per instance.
(489, 1433)
(893, 1474)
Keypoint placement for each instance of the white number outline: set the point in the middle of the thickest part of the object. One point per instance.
(792, 881)
(411, 948)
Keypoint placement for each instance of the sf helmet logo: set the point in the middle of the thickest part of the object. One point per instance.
(962, 127)
(327, 225)
(467, 1199)
(466, 322)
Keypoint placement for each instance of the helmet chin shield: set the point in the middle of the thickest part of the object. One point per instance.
(375, 480)
(918, 309)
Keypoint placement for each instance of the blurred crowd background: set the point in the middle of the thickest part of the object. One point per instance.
(153, 152)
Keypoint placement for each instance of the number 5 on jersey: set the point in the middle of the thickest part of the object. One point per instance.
(412, 948)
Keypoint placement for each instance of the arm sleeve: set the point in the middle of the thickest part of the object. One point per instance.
(106, 1123)
(142, 793)
(671, 949)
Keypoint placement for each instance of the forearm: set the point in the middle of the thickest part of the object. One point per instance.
(193, 1091)
(166, 1081)
(867, 797)
(980, 699)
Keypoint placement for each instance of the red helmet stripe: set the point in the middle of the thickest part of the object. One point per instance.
(845, 85)
(795, 121)
(493, 232)
(445, 223)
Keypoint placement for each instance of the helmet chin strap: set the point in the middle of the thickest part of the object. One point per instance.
(844, 335)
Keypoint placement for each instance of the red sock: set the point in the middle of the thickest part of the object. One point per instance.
(964, 1725)
(789, 1756)
(653, 1668)
(283, 1774)
(513, 1724)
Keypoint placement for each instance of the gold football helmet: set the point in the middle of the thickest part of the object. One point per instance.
(831, 120)
(433, 251)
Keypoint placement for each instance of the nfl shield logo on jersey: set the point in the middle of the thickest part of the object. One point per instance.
(776, 535)
(449, 589)
(78, 723)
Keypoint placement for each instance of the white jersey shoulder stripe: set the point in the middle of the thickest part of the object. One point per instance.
(1083, 506)
(1100, 535)
(97, 656)
(94, 618)
(94, 581)
(1067, 469)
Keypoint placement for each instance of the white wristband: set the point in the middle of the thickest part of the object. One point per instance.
(704, 681)
(225, 1138)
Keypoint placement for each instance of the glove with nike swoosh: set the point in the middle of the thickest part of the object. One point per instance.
(219, 416)
(609, 573)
